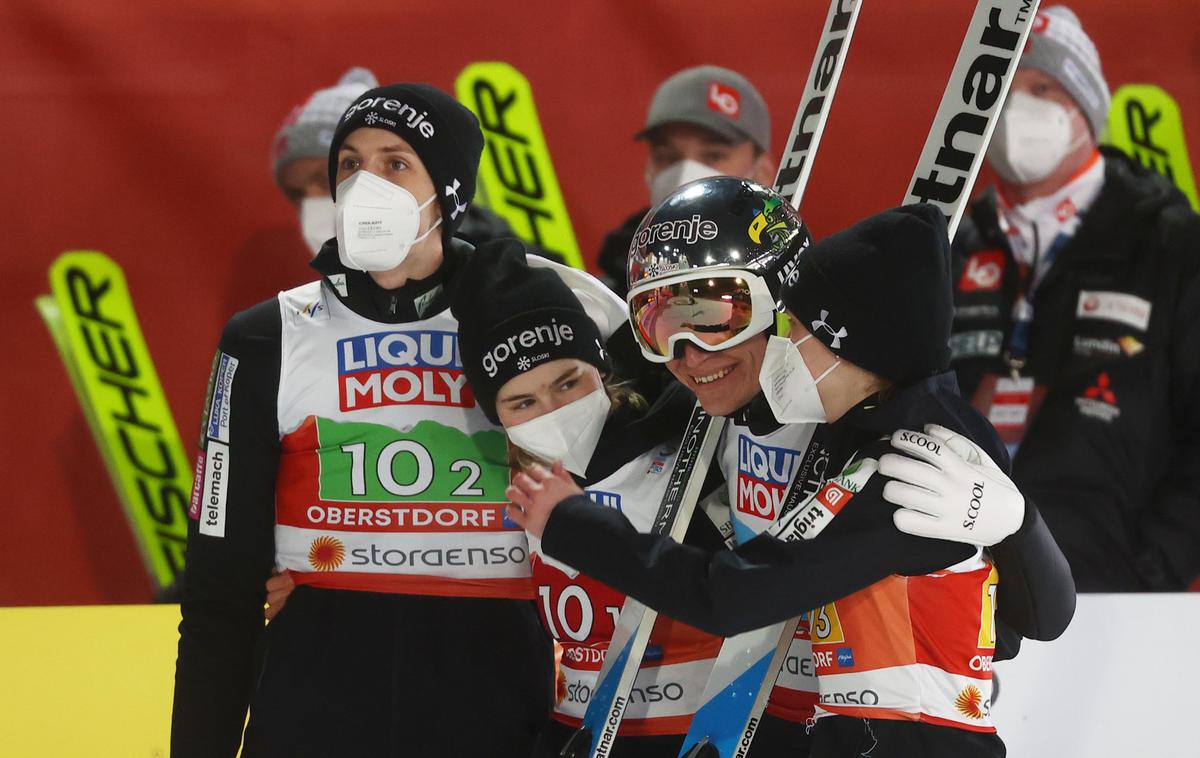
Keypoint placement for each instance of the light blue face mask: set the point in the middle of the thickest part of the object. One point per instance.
(788, 385)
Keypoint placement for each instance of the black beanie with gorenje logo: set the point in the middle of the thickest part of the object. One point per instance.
(444, 134)
(878, 294)
(513, 317)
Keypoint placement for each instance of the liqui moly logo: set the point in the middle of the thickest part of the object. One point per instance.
(401, 368)
(764, 474)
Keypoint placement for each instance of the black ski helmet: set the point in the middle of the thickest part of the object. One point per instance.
(722, 222)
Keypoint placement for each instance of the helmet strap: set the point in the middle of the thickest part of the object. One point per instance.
(783, 324)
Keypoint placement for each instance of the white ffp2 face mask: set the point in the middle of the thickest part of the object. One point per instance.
(317, 221)
(377, 222)
(788, 385)
(568, 434)
(675, 176)
(1032, 137)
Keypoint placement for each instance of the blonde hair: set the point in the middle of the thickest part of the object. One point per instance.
(621, 394)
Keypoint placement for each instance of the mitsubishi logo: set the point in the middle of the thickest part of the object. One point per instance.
(459, 206)
(837, 336)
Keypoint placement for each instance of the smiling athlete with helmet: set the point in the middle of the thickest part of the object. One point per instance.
(865, 366)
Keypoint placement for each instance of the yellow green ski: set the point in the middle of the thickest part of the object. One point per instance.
(1144, 121)
(92, 321)
(516, 178)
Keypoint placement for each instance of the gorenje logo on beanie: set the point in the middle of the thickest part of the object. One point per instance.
(412, 119)
(524, 342)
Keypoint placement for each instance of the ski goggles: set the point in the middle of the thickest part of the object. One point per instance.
(714, 311)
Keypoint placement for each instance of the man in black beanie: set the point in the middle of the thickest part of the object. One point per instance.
(341, 446)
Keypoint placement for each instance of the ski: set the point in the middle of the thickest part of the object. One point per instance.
(92, 321)
(623, 659)
(1144, 122)
(819, 88)
(516, 178)
(749, 663)
(966, 116)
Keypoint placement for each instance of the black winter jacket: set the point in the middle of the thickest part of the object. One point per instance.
(1113, 455)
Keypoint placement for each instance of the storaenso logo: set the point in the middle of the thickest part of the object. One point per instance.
(553, 333)
(656, 693)
(852, 697)
(980, 81)
(437, 557)
(407, 113)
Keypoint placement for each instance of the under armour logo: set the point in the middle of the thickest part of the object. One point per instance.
(459, 206)
(837, 336)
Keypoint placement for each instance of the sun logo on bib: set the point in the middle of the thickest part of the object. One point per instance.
(326, 553)
(970, 702)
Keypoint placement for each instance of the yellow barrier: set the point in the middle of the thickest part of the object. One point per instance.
(87, 681)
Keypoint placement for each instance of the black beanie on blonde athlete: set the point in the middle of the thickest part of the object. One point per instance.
(513, 318)
(878, 294)
(444, 134)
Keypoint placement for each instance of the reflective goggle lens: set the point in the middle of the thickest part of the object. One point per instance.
(714, 310)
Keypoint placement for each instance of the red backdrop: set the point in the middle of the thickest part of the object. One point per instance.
(142, 129)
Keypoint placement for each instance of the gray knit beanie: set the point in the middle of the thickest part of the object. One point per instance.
(1059, 47)
(308, 129)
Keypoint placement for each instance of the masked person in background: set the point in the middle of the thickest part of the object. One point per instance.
(301, 159)
(855, 366)
(340, 443)
(1077, 325)
(702, 121)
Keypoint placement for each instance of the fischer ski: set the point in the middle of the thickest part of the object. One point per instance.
(748, 665)
(91, 319)
(516, 178)
(1144, 122)
(631, 635)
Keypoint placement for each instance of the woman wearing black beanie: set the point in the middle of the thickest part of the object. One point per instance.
(537, 364)
(903, 631)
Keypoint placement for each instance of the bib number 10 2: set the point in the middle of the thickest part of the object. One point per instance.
(418, 479)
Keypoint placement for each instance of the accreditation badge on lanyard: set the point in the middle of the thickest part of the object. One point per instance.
(1009, 403)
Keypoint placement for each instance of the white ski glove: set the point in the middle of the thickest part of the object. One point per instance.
(957, 493)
